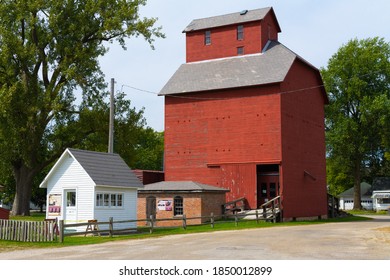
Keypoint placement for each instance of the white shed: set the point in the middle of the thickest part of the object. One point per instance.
(86, 185)
(347, 197)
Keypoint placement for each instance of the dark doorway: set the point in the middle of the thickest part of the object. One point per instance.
(150, 207)
(267, 182)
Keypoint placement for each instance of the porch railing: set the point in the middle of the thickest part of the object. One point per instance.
(272, 210)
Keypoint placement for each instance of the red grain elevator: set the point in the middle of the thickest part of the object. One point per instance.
(247, 114)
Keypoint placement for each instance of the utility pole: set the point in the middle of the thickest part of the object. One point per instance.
(111, 125)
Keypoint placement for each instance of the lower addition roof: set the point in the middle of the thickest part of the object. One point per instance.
(269, 67)
(181, 186)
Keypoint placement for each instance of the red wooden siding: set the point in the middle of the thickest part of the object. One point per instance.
(224, 41)
(205, 139)
(220, 141)
(220, 137)
(240, 179)
(303, 144)
(4, 214)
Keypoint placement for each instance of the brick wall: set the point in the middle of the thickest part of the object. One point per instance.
(194, 205)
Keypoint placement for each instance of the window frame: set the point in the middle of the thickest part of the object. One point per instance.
(240, 50)
(108, 200)
(71, 199)
(207, 38)
(240, 32)
(178, 206)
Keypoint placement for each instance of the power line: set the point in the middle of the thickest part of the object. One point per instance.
(215, 98)
(143, 90)
(226, 98)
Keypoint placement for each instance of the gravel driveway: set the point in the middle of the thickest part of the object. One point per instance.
(364, 240)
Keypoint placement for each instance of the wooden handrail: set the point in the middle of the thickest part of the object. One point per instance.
(235, 201)
(270, 201)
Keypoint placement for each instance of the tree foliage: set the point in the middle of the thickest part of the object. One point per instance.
(48, 49)
(357, 79)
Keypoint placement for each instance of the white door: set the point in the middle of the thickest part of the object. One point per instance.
(70, 206)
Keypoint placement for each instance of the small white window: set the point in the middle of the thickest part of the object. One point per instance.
(109, 200)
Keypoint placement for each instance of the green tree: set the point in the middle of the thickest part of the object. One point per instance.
(49, 48)
(150, 150)
(357, 79)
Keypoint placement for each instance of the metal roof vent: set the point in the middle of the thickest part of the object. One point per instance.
(243, 12)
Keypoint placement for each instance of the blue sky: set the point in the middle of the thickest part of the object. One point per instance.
(314, 29)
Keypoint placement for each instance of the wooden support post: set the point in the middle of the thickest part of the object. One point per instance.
(184, 221)
(62, 231)
(273, 212)
(111, 226)
(236, 219)
(265, 213)
(257, 216)
(151, 224)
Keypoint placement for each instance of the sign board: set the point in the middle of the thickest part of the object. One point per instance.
(164, 205)
(55, 203)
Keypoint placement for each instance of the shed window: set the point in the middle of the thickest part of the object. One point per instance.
(71, 199)
(178, 206)
(109, 200)
(240, 32)
(207, 37)
(99, 199)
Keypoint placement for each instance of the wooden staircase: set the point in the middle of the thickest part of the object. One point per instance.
(270, 211)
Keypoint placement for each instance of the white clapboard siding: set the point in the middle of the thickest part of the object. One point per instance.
(80, 171)
(125, 213)
(70, 175)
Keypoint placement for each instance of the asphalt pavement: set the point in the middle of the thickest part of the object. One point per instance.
(363, 240)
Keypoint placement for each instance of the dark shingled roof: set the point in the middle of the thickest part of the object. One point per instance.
(180, 186)
(268, 67)
(229, 19)
(106, 169)
(381, 184)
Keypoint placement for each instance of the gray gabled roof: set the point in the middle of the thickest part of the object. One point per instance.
(365, 190)
(268, 67)
(181, 186)
(229, 19)
(106, 169)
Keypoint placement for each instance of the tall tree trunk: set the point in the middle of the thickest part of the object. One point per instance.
(357, 203)
(24, 181)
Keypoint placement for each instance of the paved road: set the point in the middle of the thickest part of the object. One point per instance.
(368, 240)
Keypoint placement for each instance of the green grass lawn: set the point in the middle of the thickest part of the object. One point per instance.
(158, 232)
(366, 212)
(35, 216)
